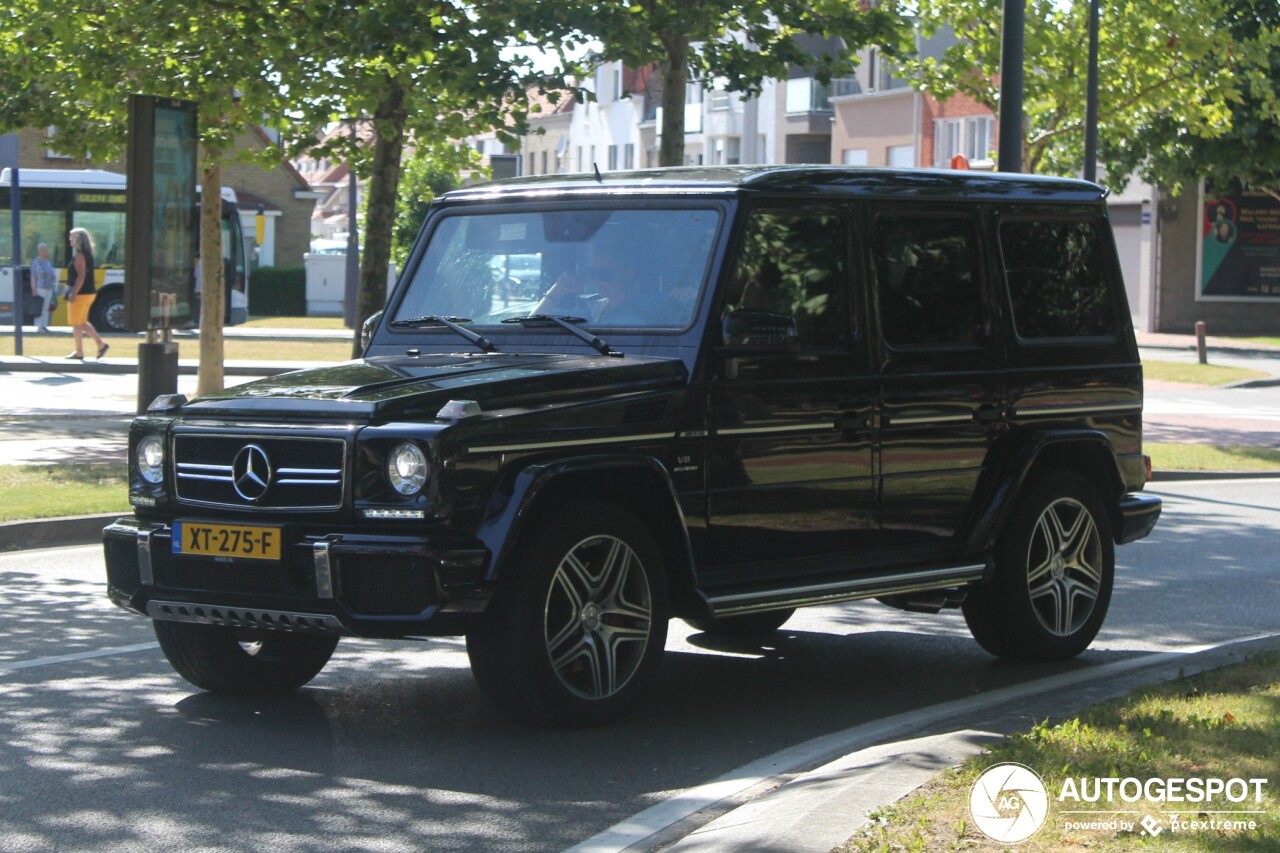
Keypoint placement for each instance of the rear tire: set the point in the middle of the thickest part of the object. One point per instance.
(1055, 567)
(215, 658)
(576, 630)
(745, 625)
(107, 312)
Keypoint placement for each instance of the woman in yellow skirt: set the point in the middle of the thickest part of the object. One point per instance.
(81, 293)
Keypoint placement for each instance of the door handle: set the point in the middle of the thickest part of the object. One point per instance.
(988, 414)
(852, 421)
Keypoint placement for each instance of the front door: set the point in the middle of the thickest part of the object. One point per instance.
(791, 484)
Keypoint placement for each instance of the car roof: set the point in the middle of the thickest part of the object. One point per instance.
(834, 181)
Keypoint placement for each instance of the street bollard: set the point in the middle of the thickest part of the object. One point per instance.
(1201, 350)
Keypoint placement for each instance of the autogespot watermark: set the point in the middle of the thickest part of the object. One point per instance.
(1010, 803)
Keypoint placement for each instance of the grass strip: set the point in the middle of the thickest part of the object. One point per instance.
(1188, 373)
(53, 491)
(1221, 724)
(1208, 457)
(294, 323)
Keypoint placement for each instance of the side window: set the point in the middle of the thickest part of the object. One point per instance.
(1055, 278)
(928, 273)
(793, 263)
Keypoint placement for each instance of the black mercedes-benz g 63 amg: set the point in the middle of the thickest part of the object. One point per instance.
(713, 394)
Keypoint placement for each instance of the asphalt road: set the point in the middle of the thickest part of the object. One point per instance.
(392, 747)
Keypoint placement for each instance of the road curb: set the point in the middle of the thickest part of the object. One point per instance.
(54, 532)
(1183, 476)
(812, 797)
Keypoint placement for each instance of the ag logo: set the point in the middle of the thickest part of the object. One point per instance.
(1009, 803)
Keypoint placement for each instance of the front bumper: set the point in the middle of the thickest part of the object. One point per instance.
(348, 582)
(1138, 517)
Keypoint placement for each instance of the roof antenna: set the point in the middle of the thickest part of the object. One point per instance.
(596, 166)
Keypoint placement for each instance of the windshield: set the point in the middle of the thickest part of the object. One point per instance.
(611, 268)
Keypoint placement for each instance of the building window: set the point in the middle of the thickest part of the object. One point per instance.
(719, 100)
(582, 166)
(613, 158)
(807, 95)
(969, 136)
(629, 156)
(52, 153)
(733, 151)
(854, 157)
(544, 163)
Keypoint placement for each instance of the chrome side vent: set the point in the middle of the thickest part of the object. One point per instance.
(644, 412)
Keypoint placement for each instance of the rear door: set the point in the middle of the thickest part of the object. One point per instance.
(941, 365)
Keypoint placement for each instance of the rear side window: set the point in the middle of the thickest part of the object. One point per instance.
(928, 273)
(792, 264)
(1056, 281)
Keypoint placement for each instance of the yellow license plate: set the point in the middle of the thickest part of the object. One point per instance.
(239, 541)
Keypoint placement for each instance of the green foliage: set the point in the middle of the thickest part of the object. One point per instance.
(278, 292)
(424, 178)
(1165, 68)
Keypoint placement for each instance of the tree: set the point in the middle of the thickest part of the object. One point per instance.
(209, 53)
(1160, 61)
(1249, 152)
(414, 74)
(736, 43)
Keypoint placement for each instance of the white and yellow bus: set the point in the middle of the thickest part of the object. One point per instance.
(54, 201)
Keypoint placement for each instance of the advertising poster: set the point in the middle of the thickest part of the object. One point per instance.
(175, 216)
(1239, 246)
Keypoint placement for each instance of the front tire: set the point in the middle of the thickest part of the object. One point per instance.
(1055, 568)
(576, 630)
(215, 658)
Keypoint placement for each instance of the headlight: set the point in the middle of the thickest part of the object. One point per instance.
(407, 469)
(151, 458)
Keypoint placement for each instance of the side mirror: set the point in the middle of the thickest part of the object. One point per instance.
(762, 330)
(366, 330)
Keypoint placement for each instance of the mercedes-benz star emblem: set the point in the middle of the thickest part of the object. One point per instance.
(251, 473)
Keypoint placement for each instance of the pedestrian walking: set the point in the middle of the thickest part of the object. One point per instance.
(44, 283)
(81, 293)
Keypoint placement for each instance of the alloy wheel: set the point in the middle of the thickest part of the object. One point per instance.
(598, 617)
(1064, 562)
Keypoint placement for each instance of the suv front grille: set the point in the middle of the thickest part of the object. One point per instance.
(264, 472)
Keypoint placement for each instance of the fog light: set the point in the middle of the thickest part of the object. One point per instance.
(407, 469)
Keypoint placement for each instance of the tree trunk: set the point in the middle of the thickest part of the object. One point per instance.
(210, 377)
(380, 211)
(674, 69)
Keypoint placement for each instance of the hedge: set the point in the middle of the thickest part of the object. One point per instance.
(278, 292)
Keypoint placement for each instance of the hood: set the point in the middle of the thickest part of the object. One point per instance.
(398, 386)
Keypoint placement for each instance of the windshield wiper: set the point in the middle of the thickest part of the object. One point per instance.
(567, 323)
(450, 323)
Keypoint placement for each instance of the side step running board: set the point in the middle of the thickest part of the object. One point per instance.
(848, 590)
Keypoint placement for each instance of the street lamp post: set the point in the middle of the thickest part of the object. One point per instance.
(1090, 171)
(1009, 151)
